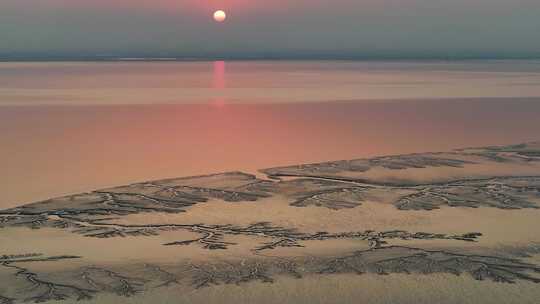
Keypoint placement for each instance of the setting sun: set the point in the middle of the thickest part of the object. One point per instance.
(220, 16)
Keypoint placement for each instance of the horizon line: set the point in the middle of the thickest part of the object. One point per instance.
(269, 57)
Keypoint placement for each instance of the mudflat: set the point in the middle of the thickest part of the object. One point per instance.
(445, 227)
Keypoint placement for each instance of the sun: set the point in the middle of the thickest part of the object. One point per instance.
(220, 16)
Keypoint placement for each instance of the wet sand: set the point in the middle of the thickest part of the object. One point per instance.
(353, 289)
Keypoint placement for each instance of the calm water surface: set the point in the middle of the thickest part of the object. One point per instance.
(72, 127)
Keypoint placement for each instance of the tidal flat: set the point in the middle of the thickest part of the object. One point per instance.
(448, 227)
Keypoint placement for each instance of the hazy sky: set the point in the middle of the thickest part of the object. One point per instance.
(271, 28)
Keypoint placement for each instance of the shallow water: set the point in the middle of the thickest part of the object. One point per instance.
(83, 83)
(54, 150)
(72, 127)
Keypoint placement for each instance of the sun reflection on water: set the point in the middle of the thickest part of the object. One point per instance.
(219, 84)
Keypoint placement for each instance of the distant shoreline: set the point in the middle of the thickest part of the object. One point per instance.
(135, 58)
